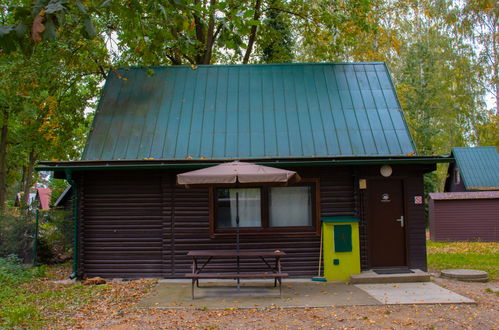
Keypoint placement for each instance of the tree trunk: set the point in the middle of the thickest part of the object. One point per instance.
(252, 35)
(3, 159)
(29, 177)
(210, 35)
(200, 35)
(22, 201)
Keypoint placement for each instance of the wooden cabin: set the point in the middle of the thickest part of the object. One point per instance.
(468, 209)
(340, 126)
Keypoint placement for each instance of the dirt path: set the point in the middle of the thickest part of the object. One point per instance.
(483, 315)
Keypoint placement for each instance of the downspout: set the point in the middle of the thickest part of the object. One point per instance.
(73, 184)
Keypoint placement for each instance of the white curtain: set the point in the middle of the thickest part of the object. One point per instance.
(290, 206)
(249, 207)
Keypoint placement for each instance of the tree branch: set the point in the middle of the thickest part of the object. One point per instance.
(174, 60)
(200, 35)
(208, 48)
(252, 35)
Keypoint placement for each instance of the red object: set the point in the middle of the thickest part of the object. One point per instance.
(43, 195)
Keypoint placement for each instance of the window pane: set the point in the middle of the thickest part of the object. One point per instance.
(249, 207)
(290, 206)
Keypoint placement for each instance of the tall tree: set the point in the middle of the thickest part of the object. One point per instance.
(276, 40)
(480, 21)
(203, 32)
(48, 57)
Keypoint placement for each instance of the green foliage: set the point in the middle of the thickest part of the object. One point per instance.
(13, 272)
(276, 40)
(55, 236)
(13, 308)
(58, 186)
(24, 301)
(16, 236)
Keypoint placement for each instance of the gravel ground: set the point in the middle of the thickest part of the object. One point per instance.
(482, 315)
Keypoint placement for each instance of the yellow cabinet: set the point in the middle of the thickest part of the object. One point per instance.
(341, 248)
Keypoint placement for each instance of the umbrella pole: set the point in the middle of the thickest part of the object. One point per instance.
(237, 237)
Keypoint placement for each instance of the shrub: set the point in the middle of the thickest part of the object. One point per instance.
(55, 236)
(16, 236)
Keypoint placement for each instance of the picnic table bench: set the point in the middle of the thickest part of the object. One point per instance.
(271, 271)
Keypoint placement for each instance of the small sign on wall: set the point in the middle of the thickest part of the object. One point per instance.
(418, 200)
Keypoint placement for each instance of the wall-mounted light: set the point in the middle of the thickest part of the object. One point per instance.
(386, 170)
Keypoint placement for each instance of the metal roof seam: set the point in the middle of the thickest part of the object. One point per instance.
(170, 110)
(92, 126)
(319, 110)
(274, 111)
(166, 107)
(119, 126)
(335, 130)
(411, 140)
(307, 109)
(181, 109)
(383, 92)
(344, 117)
(203, 113)
(376, 100)
(215, 103)
(365, 109)
(226, 115)
(354, 73)
(150, 115)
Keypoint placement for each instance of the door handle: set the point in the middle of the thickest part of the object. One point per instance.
(401, 219)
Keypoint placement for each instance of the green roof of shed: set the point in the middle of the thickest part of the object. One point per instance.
(478, 166)
(259, 111)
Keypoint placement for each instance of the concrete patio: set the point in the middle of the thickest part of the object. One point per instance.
(223, 294)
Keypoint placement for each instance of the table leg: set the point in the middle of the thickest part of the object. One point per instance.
(192, 289)
(238, 279)
(277, 268)
(280, 287)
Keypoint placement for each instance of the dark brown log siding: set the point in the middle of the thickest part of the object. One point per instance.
(140, 224)
(122, 224)
(415, 235)
(465, 220)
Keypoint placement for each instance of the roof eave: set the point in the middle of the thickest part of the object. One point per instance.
(184, 164)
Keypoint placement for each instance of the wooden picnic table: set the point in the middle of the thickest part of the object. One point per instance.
(272, 270)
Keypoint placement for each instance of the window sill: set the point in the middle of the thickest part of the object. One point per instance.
(308, 232)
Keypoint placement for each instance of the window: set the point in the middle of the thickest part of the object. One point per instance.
(290, 206)
(266, 209)
(249, 199)
(457, 176)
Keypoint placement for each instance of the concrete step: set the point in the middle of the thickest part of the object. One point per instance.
(371, 277)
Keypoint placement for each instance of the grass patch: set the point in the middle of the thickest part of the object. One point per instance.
(472, 255)
(28, 300)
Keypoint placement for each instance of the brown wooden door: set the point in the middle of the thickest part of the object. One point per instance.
(386, 231)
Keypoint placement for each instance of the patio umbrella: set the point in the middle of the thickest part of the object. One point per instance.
(238, 174)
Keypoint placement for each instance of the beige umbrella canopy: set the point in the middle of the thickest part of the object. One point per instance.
(238, 172)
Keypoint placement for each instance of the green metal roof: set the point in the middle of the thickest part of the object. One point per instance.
(222, 112)
(478, 166)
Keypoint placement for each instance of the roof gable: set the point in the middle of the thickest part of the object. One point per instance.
(479, 167)
(227, 112)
